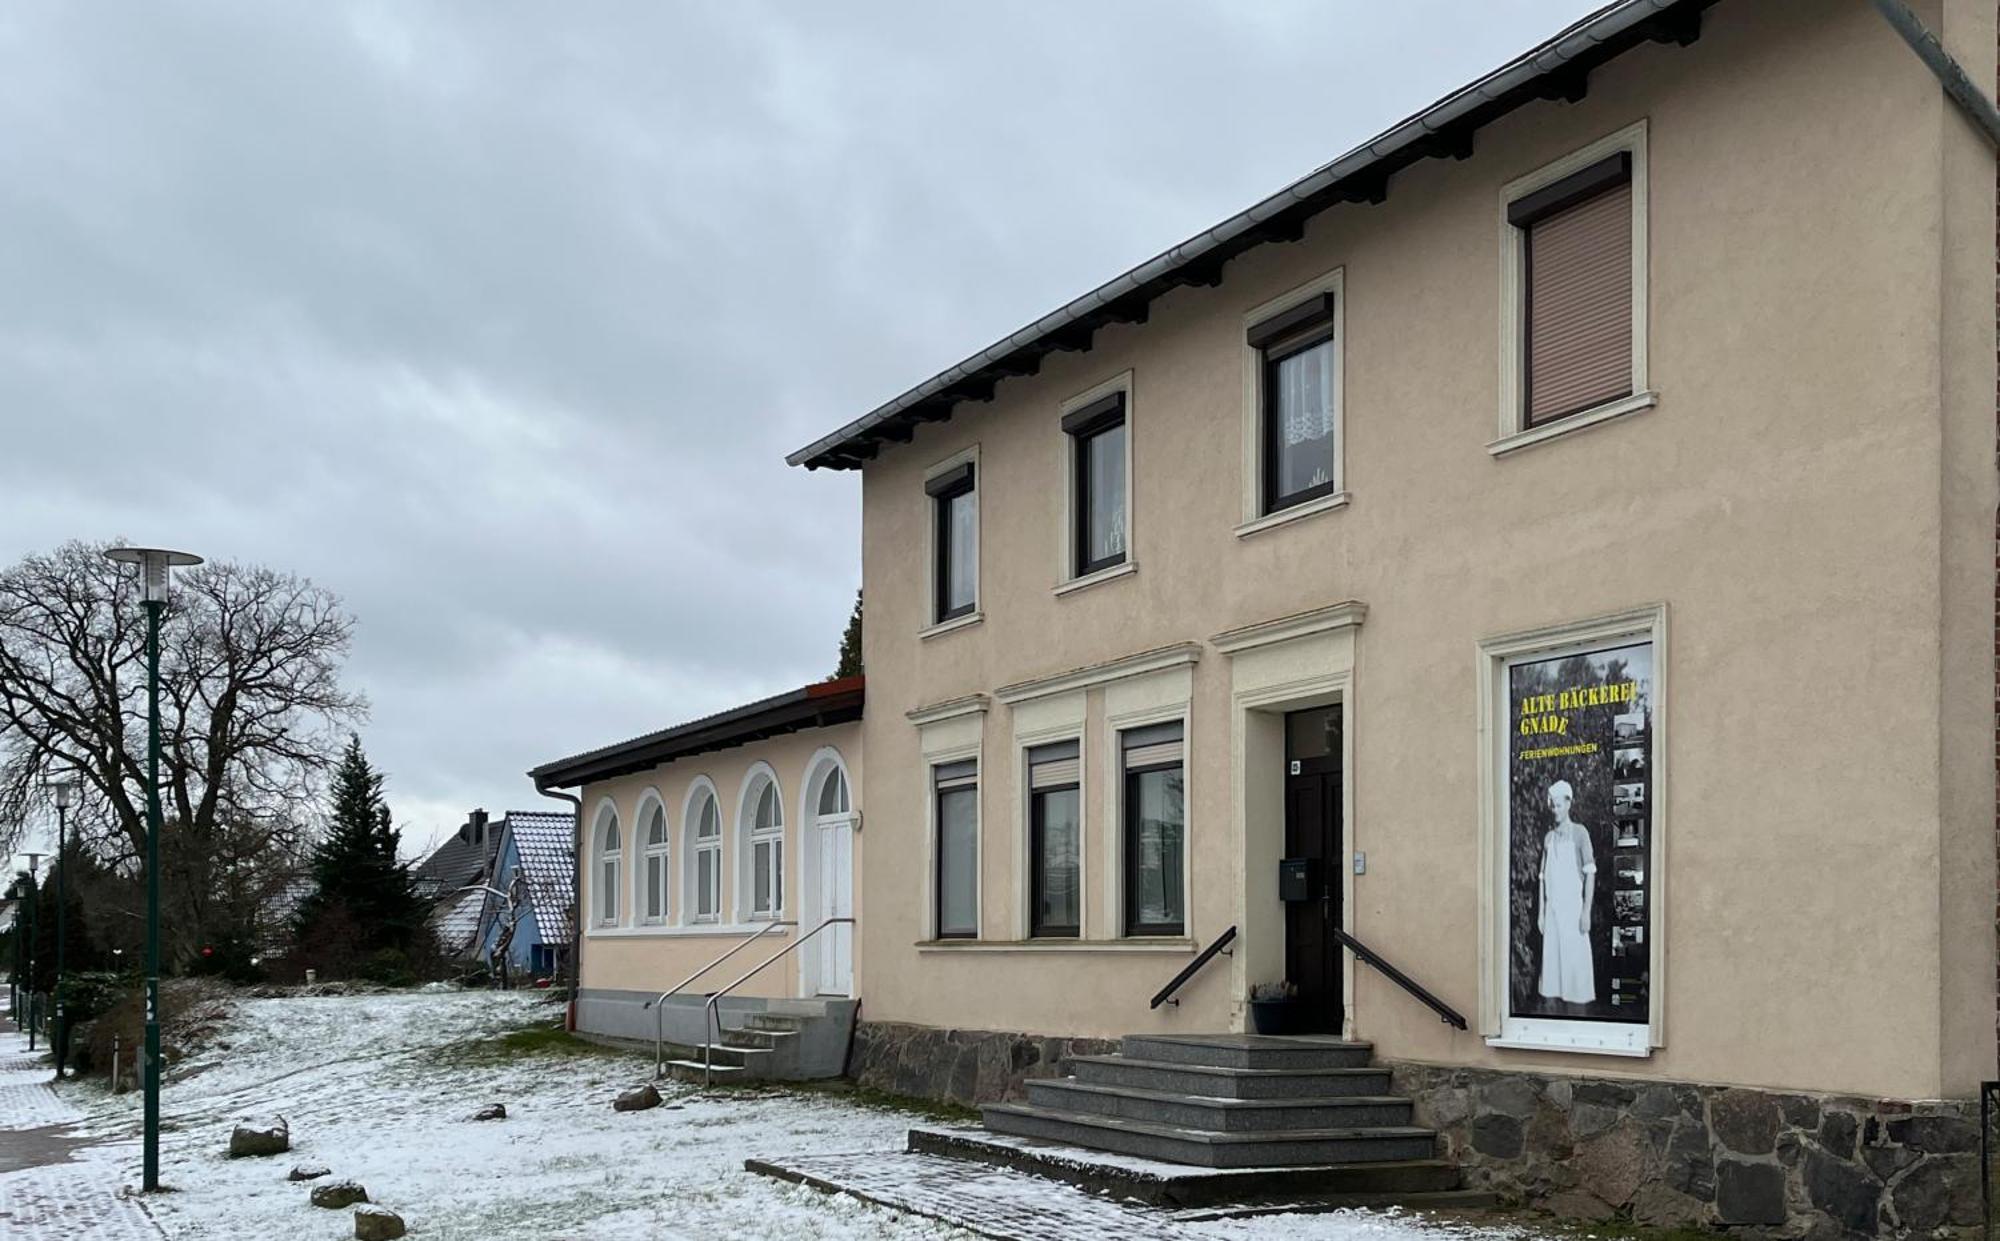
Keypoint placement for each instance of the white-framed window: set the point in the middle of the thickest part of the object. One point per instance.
(1294, 380)
(1573, 292)
(654, 905)
(703, 825)
(951, 487)
(834, 797)
(763, 854)
(1097, 430)
(607, 846)
(1573, 820)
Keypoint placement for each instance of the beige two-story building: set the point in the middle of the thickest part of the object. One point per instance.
(1526, 592)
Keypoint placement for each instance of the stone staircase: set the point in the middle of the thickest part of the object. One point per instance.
(1251, 1117)
(783, 1040)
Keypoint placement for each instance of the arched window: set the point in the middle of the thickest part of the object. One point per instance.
(608, 846)
(833, 794)
(653, 839)
(706, 872)
(765, 830)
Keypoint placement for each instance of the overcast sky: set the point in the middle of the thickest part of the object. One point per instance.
(498, 319)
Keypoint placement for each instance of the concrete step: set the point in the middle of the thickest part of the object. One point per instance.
(691, 1071)
(1444, 1200)
(1249, 1051)
(1207, 1148)
(1202, 1079)
(768, 1040)
(777, 1022)
(756, 1059)
(1185, 1111)
(1183, 1186)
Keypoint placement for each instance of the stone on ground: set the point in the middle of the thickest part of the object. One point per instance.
(337, 1194)
(309, 1171)
(492, 1111)
(637, 1100)
(274, 1138)
(377, 1223)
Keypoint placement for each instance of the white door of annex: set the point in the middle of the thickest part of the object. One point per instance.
(836, 900)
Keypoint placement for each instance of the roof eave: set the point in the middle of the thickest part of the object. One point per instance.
(1557, 68)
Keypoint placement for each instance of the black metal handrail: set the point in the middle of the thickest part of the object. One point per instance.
(1166, 993)
(1363, 952)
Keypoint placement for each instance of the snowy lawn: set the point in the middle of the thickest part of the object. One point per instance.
(378, 1088)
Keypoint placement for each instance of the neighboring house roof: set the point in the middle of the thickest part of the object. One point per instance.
(1556, 69)
(545, 849)
(462, 858)
(455, 920)
(813, 706)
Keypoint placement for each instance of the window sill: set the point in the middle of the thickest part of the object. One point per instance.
(1298, 512)
(944, 627)
(700, 930)
(1638, 402)
(1102, 575)
(1162, 945)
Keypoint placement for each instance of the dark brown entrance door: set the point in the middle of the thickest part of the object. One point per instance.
(1312, 832)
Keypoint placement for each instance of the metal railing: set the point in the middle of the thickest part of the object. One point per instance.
(712, 1020)
(1220, 945)
(658, 1004)
(1362, 952)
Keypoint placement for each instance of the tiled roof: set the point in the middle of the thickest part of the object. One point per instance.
(545, 842)
(455, 920)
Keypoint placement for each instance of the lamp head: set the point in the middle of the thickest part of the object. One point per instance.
(153, 564)
(64, 788)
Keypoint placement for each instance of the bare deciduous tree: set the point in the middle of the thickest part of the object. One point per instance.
(251, 707)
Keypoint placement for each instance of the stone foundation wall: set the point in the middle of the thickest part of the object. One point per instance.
(961, 1066)
(1670, 1154)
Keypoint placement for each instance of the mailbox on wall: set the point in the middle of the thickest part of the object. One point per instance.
(1298, 879)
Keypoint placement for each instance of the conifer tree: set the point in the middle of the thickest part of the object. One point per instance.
(850, 644)
(364, 900)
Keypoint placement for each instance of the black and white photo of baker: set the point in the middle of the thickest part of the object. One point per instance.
(1568, 891)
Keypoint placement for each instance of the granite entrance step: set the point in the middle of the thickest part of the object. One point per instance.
(1315, 1107)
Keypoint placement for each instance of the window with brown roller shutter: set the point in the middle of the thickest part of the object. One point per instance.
(1577, 253)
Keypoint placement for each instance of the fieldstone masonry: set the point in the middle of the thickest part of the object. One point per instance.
(1671, 1154)
(964, 1066)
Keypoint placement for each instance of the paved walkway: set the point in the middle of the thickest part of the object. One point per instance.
(54, 1183)
(1006, 1206)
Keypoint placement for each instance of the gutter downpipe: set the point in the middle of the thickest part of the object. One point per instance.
(573, 966)
(1950, 74)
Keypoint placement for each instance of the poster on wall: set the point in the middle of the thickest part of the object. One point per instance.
(1580, 835)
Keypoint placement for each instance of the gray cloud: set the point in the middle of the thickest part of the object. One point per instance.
(499, 319)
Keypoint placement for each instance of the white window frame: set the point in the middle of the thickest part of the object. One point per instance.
(1067, 578)
(696, 847)
(1160, 696)
(653, 860)
(1255, 519)
(1514, 430)
(1496, 656)
(933, 627)
(608, 872)
(749, 837)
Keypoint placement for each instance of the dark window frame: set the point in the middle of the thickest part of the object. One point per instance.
(1290, 332)
(939, 791)
(1037, 928)
(944, 489)
(1083, 426)
(1128, 844)
(1612, 172)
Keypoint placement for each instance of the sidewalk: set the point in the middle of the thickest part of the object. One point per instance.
(54, 1183)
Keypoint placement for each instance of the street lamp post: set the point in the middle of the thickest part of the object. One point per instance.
(62, 787)
(154, 564)
(34, 900)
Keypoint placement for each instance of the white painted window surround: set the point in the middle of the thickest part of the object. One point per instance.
(607, 851)
(761, 856)
(653, 903)
(1514, 433)
(703, 820)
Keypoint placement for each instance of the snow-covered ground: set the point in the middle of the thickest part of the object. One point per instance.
(379, 1087)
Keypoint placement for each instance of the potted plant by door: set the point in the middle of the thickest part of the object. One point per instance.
(1274, 1008)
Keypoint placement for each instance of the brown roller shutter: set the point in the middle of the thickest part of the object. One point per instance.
(1579, 272)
